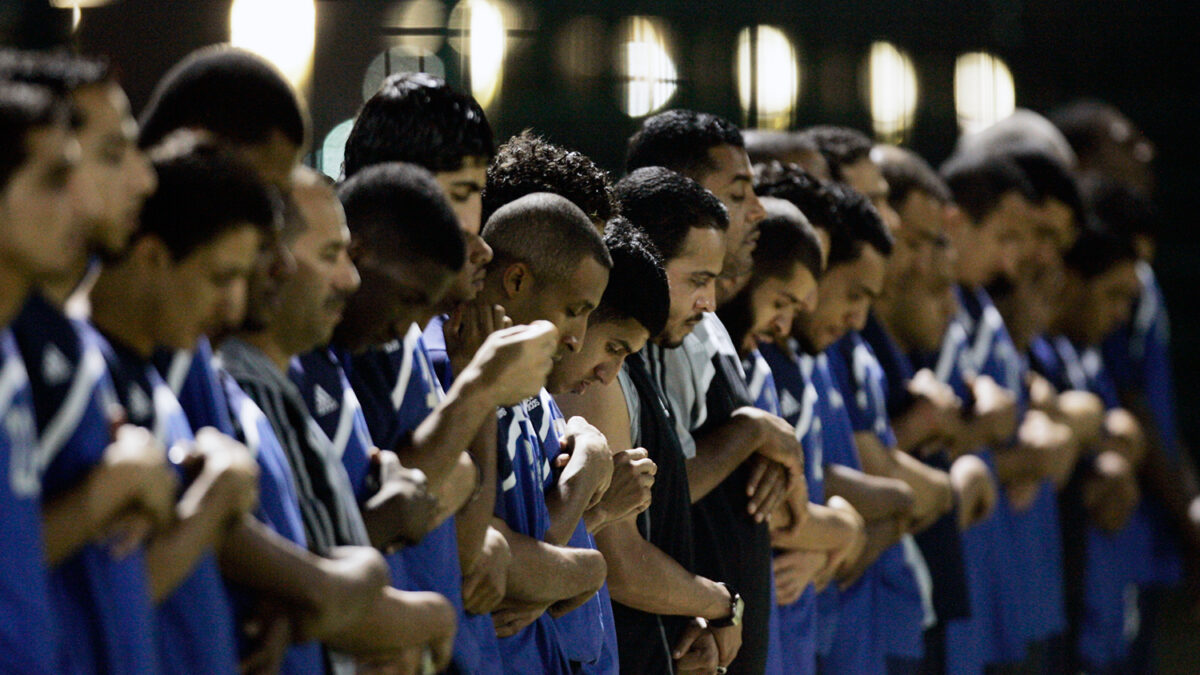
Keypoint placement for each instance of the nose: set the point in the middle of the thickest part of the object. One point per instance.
(234, 303)
(781, 324)
(283, 263)
(755, 212)
(145, 180)
(348, 279)
(707, 300)
(480, 253)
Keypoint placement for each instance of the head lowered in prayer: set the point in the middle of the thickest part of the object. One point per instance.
(634, 307)
(407, 246)
(549, 263)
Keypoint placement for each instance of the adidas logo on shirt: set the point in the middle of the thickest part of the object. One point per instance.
(55, 367)
(788, 405)
(323, 402)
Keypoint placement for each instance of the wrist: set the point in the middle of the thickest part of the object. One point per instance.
(733, 610)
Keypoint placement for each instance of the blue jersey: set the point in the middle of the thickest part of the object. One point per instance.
(799, 627)
(101, 601)
(398, 389)
(900, 602)
(800, 655)
(523, 475)
(29, 637)
(588, 634)
(194, 381)
(195, 623)
(855, 647)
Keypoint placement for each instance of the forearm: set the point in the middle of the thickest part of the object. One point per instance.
(472, 521)
(171, 555)
(874, 497)
(544, 573)
(255, 556)
(398, 620)
(643, 577)
(448, 430)
(826, 529)
(567, 502)
(718, 453)
(79, 515)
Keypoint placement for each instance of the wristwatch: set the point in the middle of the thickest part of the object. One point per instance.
(736, 608)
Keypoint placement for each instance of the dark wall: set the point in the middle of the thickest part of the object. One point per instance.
(1141, 56)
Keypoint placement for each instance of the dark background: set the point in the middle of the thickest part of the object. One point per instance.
(1139, 55)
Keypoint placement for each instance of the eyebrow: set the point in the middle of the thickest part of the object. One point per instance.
(624, 345)
(791, 298)
(868, 291)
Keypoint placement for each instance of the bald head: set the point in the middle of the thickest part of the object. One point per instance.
(546, 232)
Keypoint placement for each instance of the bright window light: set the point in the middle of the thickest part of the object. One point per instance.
(646, 67)
(403, 59)
(891, 91)
(984, 92)
(333, 149)
(768, 77)
(281, 31)
(482, 24)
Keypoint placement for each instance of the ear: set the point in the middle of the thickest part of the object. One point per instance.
(149, 253)
(518, 278)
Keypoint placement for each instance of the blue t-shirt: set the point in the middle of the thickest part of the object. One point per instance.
(899, 610)
(588, 633)
(940, 543)
(798, 400)
(523, 474)
(194, 380)
(800, 656)
(398, 389)
(855, 647)
(195, 623)
(29, 637)
(102, 602)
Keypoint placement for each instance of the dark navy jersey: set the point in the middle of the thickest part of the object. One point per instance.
(195, 623)
(278, 504)
(397, 389)
(903, 593)
(101, 600)
(587, 633)
(29, 637)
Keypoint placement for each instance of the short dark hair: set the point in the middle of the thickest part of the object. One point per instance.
(60, 71)
(783, 241)
(398, 210)
(527, 163)
(546, 232)
(1049, 177)
(637, 286)
(667, 205)
(841, 146)
(1087, 124)
(980, 180)
(680, 140)
(202, 193)
(418, 118)
(1120, 206)
(766, 145)
(805, 191)
(859, 225)
(906, 172)
(1099, 248)
(233, 93)
(23, 108)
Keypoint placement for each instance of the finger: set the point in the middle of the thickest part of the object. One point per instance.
(689, 637)
(756, 477)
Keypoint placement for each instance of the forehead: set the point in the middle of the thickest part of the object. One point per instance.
(865, 176)
(235, 247)
(322, 212)
(729, 163)
(921, 213)
(867, 270)
(473, 170)
(588, 280)
(102, 105)
(702, 247)
(626, 330)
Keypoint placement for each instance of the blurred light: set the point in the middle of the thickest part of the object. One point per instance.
(580, 44)
(891, 91)
(482, 24)
(71, 4)
(76, 17)
(645, 66)
(768, 78)
(281, 31)
(424, 21)
(404, 59)
(984, 92)
(333, 149)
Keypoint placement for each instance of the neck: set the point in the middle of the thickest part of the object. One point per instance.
(270, 345)
(59, 290)
(123, 314)
(14, 287)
